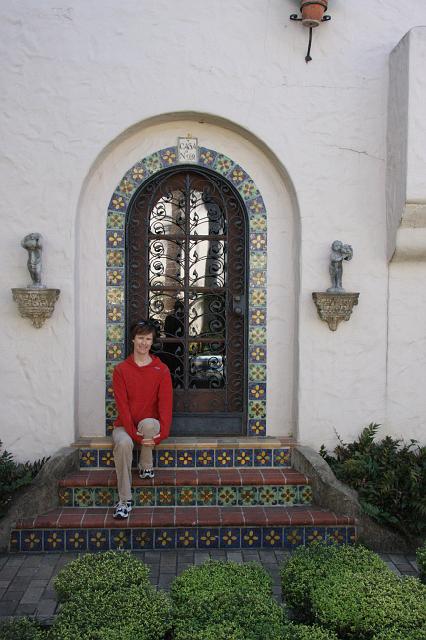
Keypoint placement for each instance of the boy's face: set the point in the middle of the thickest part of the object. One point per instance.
(142, 343)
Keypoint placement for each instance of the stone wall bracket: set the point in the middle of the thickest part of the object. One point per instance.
(334, 307)
(36, 304)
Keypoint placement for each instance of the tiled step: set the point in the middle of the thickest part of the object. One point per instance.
(203, 453)
(186, 487)
(76, 529)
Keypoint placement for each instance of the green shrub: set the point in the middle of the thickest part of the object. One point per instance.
(421, 561)
(14, 476)
(225, 599)
(109, 571)
(114, 614)
(21, 629)
(394, 633)
(294, 631)
(390, 477)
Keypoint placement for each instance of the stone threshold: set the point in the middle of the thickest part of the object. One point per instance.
(206, 442)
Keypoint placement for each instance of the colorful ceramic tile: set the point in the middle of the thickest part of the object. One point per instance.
(65, 495)
(165, 496)
(32, 540)
(208, 538)
(111, 410)
(287, 495)
(109, 391)
(205, 458)
(267, 495)
(115, 277)
(115, 295)
(251, 537)
(257, 335)
(224, 458)
(109, 368)
(243, 457)
(293, 537)
(145, 496)
(165, 539)
(206, 157)
(142, 539)
(230, 537)
(15, 540)
(186, 458)
(281, 457)
(248, 190)
(257, 428)
(257, 317)
(126, 187)
(237, 175)
(98, 539)
(272, 537)
(256, 355)
(262, 457)
(152, 163)
(115, 220)
(257, 409)
(227, 496)
(223, 164)
(106, 458)
(118, 202)
(88, 458)
(335, 535)
(206, 496)
(115, 258)
(305, 494)
(258, 297)
(257, 391)
(257, 372)
(138, 173)
(351, 535)
(186, 538)
(166, 458)
(120, 539)
(109, 427)
(168, 156)
(76, 540)
(258, 241)
(314, 534)
(256, 206)
(115, 312)
(186, 496)
(247, 496)
(83, 497)
(258, 223)
(115, 351)
(115, 239)
(257, 259)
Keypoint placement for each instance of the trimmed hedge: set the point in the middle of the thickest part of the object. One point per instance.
(21, 629)
(109, 571)
(294, 631)
(123, 614)
(350, 591)
(421, 561)
(225, 600)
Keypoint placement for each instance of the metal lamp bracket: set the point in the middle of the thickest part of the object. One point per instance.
(295, 18)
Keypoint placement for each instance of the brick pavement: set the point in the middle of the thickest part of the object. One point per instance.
(26, 580)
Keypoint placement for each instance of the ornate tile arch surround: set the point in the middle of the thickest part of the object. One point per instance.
(116, 272)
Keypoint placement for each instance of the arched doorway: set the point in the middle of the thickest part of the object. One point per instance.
(186, 255)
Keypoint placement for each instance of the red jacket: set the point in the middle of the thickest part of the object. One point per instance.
(143, 392)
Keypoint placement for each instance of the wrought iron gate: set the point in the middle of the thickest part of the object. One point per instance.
(187, 264)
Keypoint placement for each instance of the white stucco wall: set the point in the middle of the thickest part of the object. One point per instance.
(75, 76)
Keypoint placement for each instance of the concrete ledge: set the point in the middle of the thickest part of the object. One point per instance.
(330, 493)
(41, 495)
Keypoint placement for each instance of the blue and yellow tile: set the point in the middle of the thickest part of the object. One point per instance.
(335, 535)
(76, 539)
(88, 458)
(169, 156)
(142, 539)
(115, 351)
(165, 539)
(224, 458)
(118, 202)
(207, 157)
(15, 540)
(115, 312)
(145, 496)
(256, 206)
(186, 496)
(137, 173)
(109, 391)
(186, 538)
(262, 457)
(351, 535)
(243, 457)
(165, 496)
(257, 427)
(186, 458)
(208, 538)
(237, 175)
(293, 537)
(106, 459)
(114, 239)
(272, 537)
(166, 458)
(111, 409)
(65, 495)
(257, 390)
(109, 424)
(257, 355)
(205, 458)
(98, 539)
(115, 258)
(251, 537)
(32, 540)
(247, 496)
(83, 497)
(109, 369)
(281, 457)
(230, 537)
(257, 317)
(120, 539)
(206, 496)
(314, 534)
(227, 496)
(115, 277)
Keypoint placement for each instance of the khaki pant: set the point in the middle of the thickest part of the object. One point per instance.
(123, 453)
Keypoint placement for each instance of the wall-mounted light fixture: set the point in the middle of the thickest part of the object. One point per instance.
(312, 16)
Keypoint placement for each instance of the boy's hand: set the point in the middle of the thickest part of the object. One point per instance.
(148, 442)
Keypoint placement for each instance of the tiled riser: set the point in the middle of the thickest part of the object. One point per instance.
(61, 540)
(194, 458)
(185, 496)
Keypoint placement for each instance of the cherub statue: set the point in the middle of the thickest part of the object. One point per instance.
(33, 243)
(339, 252)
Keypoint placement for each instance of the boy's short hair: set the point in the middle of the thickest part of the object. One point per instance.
(144, 327)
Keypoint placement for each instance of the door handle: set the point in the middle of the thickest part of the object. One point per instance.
(238, 303)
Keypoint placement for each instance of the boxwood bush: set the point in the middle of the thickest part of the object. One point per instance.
(225, 600)
(21, 629)
(421, 561)
(107, 571)
(115, 614)
(350, 591)
(294, 631)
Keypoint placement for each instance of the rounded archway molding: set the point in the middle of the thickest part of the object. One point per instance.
(237, 169)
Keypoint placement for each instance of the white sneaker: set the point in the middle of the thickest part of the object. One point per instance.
(145, 474)
(121, 510)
